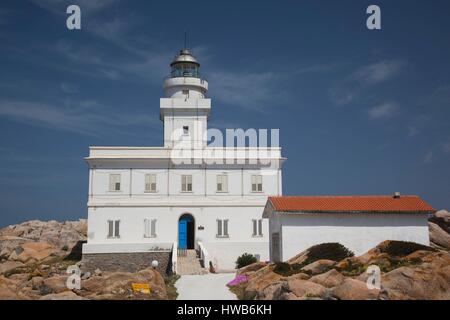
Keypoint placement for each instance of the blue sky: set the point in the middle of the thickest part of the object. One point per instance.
(359, 111)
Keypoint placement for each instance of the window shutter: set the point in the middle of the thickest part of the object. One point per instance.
(219, 183)
(146, 231)
(153, 182)
(219, 227)
(153, 228)
(110, 228)
(189, 178)
(225, 183)
(225, 228)
(147, 182)
(254, 227)
(111, 182)
(260, 227)
(117, 231)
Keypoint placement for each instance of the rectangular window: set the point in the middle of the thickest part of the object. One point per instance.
(149, 228)
(256, 183)
(185, 130)
(150, 183)
(113, 228)
(186, 183)
(222, 183)
(257, 227)
(222, 228)
(114, 182)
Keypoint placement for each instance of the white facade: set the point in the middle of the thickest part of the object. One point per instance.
(359, 232)
(143, 191)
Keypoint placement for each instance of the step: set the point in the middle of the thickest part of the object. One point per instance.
(189, 264)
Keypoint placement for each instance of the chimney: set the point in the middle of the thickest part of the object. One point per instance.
(396, 195)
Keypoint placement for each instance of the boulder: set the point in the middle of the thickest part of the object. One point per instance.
(351, 289)
(329, 279)
(259, 280)
(9, 266)
(8, 289)
(67, 295)
(438, 236)
(304, 288)
(118, 285)
(429, 281)
(273, 291)
(319, 266)
(443, 214)
(35, 252)
(251, 268)
(56, 284)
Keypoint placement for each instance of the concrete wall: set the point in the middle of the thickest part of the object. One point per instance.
(358, 232)
(127, 262)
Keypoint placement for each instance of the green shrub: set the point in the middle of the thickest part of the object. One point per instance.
(245, 260)
(283, 268)
(329, 251)
(404, 248)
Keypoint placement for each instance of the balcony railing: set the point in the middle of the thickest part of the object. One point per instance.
(184, 73)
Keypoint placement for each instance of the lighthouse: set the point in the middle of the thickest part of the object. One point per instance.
(144, 206)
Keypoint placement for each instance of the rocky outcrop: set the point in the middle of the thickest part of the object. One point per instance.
(37, 241)
(107, 285)
(35, 255)
(439, 226)
(408, 271)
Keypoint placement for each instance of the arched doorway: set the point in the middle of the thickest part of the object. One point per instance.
(186, 232)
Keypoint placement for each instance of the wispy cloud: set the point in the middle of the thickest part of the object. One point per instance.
(377, 72)
(351, 88)
(69, 88)
(247, 90)
(429, 157)
(86, 117)
(446, 147)
(385, 110)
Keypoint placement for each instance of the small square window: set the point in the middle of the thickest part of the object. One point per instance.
(114, 182)
(185, 130)
(186, 92)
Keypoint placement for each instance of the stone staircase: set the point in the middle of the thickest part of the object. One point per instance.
(188, 263)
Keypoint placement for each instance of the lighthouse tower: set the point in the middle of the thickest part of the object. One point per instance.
(184, 109)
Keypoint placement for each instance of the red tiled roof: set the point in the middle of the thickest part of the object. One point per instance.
(350, 204)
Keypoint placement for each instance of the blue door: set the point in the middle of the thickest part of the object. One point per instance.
(182, 234)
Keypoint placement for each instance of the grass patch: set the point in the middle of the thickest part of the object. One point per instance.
(169, 281)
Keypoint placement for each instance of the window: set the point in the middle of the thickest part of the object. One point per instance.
(257, 227)
(149, 228)
(114, 182)
(222, 228)
(186, 92)
(186, 130)
(113, 228)
(222, 183)
(256, 183)
(150, 183)
(186, 183)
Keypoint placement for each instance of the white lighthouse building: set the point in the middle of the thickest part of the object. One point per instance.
(157, 203)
